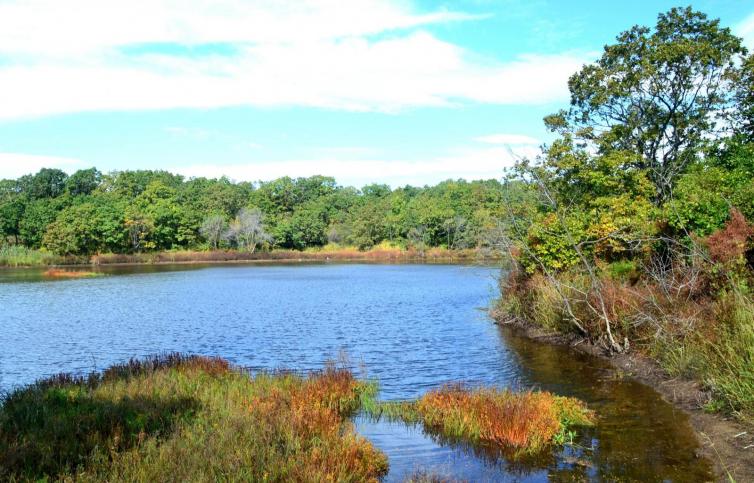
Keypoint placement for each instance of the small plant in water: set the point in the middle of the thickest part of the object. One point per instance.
(521, 423)
(60, 273)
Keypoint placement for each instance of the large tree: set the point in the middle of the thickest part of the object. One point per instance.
(659, 93)
(743, 114)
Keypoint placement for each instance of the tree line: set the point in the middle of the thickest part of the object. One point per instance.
(133, 211)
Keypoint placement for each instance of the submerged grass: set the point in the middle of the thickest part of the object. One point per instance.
(519, 423)
(178, 418)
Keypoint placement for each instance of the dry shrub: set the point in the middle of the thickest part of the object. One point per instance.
(729, 243)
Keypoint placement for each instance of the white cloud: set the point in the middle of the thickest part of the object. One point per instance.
(319, 53)
(745, 29)
(509, 139)
(52, 27)
(346, 165)
(466, 164)
(15, 165)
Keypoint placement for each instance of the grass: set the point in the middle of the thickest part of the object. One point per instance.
(517, 423)
(728, 365)
(177, 418)
(19, 256)
(190, 418)
(61, 273)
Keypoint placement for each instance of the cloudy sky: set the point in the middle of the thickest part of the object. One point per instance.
(364, 90)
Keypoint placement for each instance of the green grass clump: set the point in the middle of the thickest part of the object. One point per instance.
(521, 423)
(177, 418)
(20, 256)
(729, 360)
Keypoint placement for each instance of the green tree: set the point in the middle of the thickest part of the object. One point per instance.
(743, 114)
(655, 93)
(86, 228)
(12, 206)
(47, 183)
(83, 182)
(38, 214)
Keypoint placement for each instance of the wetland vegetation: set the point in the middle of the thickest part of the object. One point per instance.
(200, 419)
(630, 232)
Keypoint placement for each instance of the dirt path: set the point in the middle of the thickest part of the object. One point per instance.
(724, 441)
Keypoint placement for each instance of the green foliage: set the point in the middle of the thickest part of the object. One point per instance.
(656, 93)
(700, 204)
(38, 215)
(743, 116)
(86, 228)
(83, 182)
(137, 211)
(47, 183)
(551, 241)
(622, 269)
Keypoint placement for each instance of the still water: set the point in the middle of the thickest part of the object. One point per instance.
(412, 327)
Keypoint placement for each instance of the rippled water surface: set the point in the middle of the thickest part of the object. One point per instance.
(413, 327)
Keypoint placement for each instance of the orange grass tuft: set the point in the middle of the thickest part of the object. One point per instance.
(60, 273)
(520, 421)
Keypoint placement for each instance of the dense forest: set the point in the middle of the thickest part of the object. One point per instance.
(132, 211)
(636, 228)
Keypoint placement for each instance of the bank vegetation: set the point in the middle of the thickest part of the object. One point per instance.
(633, 228)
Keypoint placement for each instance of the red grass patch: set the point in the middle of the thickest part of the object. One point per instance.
(520, 421)
(60, 273)
(729, 243)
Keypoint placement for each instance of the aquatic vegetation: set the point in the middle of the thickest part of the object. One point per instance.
(61, 273)
(524, 422)
(191, 418)
(183, 418)
(20, 256)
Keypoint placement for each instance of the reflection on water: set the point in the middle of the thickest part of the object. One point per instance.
(639, 436)
(413, 327)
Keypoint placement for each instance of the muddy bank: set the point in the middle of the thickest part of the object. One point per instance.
(727, 443)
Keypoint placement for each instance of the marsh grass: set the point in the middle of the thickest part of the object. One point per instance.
(728, 361)
(20, 256)
(179, 418)
(517, 423)
(62, 273)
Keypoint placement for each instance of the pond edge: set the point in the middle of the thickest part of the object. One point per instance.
(728, 444)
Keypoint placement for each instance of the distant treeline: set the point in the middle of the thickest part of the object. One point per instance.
(132, 211)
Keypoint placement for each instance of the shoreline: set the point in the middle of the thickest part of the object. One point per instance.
(433, 255)
(727, 443)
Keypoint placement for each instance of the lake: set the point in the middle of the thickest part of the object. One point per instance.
(412, 327)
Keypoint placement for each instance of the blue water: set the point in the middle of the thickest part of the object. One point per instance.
(412, 327)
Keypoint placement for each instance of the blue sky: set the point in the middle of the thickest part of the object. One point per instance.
(365, 90)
